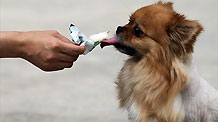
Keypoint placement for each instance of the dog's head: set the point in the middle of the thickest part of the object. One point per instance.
(157, 27)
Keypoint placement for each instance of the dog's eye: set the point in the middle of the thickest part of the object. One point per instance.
(137, 31)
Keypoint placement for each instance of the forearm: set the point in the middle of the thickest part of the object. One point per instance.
(10, 44)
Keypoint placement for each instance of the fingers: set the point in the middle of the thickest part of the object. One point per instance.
(61, 65)
(57, 66)
(71, 49)
(67, 58)
(58, 61)
(65, 64)
(67, 46)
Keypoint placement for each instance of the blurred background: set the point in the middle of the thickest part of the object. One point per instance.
(86, 92)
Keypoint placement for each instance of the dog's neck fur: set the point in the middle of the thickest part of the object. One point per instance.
(154, 88)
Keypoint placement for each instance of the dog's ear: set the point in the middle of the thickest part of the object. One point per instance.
(168, 5)
(182, 34)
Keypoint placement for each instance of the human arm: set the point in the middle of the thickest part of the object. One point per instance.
(47, 50)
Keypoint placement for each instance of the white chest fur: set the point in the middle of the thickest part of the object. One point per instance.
(178, 108)
(200, 99)
(133, 113)
(197, 102)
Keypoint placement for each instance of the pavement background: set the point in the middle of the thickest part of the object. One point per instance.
(85, 93)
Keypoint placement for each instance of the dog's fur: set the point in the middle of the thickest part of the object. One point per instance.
(159, 83)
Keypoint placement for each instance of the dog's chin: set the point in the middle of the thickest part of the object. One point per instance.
(125, 49)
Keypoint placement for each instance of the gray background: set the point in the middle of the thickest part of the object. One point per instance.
(86, 92)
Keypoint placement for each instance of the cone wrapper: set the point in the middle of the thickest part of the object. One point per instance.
(90, 43)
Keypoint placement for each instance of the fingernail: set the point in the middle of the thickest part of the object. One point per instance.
(83, 49)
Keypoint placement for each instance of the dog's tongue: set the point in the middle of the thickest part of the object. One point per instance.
(108, 42)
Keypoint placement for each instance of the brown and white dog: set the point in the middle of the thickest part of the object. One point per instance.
(159, 83)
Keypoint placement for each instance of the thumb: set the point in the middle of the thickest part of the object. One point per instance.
(71, 49)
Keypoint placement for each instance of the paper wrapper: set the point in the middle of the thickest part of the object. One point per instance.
(89, 44)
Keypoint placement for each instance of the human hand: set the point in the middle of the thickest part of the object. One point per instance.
(49, 50)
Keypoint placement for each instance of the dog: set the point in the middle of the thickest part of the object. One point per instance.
(159, 82)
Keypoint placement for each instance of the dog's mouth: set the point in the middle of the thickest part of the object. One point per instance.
(119, 46)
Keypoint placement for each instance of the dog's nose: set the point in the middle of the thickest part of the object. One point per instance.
(119, 29)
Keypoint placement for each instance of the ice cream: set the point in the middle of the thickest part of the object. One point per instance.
(89, 43)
